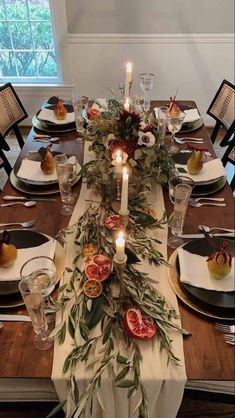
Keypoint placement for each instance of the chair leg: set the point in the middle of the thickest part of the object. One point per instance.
(215, 132)
(6, 165)
(19, 136)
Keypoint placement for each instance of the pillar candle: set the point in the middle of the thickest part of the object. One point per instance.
(124, 197)
(127, 104)
(128, 79)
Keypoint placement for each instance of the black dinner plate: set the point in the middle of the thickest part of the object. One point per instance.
(224, 300)
(21, 239)
(36, 157)
(52, 129)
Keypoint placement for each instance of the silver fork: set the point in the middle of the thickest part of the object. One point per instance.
(26, 224)
(225, 328)
(215, 199)
(229, 337)
(194, 141)
(198, 205)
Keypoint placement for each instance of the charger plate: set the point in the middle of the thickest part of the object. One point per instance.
(191, 302)
(25, 239)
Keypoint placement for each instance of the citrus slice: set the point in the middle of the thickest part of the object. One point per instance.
(89, 250)
(92, 288)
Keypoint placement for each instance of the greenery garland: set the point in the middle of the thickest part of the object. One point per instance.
(85, 313)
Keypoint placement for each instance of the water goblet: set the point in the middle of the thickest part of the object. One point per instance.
(80, 104)
(72, 173)
(174, 124)
(42, 271)
(61, 163)
(34, 302)
(146, 84)
(181, 199)
(174, 181)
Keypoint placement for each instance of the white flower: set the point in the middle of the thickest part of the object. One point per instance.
(111, 137)
(146, 138)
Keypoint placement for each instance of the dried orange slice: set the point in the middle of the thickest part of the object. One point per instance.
(92, 288)
(89, 250)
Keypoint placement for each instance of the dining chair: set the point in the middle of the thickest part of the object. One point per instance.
(222, 108)
(228, 158)
(12, 113)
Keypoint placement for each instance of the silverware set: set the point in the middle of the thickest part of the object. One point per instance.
(228, 331)
(207, 201)
(187, 140)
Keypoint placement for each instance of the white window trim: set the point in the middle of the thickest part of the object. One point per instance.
(59, 23)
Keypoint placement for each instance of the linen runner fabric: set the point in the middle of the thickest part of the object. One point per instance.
(164, 383)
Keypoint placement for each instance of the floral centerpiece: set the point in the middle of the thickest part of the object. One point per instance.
(146, 155)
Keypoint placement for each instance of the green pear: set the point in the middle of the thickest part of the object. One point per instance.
(195, 163)
(219, 263)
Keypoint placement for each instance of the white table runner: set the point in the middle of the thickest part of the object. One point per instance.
(164, 383)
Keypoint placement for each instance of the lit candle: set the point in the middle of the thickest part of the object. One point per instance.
(120, 247)
(128, 79)
(127, 104)
(118, 161)
(124, 197)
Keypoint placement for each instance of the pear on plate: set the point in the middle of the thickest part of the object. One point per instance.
(60, 110)
(220, 262)
(195, 162)
(8, 252)
(48, 162)
(174, 109)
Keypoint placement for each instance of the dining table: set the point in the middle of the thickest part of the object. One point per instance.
(25, 373)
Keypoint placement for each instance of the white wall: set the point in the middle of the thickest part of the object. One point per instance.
(194, 60)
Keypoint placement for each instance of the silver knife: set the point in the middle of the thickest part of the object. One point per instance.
(42, 199)
(14, 318)
(188, 236)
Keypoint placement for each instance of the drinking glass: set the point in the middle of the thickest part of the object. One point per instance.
(181, 198)
(42, 271)
(34, 302)
(72, 173)
(162, 119)
(174, 124)
(146, 84)
(174, 181)
(61, 163)
(80, 104)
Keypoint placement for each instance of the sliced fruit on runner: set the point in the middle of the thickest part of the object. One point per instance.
(89, 250)
(137, 325)
(92, 288)
(113, 222)
(99, 267)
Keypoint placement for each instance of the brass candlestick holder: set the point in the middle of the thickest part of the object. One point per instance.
(120, 264)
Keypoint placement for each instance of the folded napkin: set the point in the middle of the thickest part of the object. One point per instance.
(31, 170)
(190, 115)
(211, 170)
(194, 271)
(23, 255)
(49, 115)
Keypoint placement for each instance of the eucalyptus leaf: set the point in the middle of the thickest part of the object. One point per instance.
(57, 409)
(126, 384)
(121, 359)
(94, 316)
(122, 373)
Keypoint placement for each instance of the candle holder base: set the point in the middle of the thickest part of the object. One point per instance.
(120, 266)
(124, 219)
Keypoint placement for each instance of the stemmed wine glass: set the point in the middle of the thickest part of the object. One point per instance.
(34, 302)
(61, 163)
(181, 199)
(146, 84)
(174, 124)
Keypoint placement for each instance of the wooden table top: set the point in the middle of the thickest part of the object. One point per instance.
(207, 356)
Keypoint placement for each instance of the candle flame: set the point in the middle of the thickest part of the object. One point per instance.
(119, 153)
(129, 67)
(120, 235)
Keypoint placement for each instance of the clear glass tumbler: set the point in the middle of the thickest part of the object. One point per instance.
(162, 121)
(42, 271)
(34, 302)
(61, 163)
(146, 84)
(80, 104)
(174, 181)
(181, 199)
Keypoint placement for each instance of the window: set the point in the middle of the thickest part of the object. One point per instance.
(27, 42)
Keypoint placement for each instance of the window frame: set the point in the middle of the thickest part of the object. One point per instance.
(59, 29)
